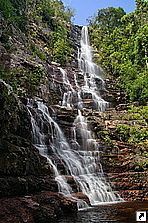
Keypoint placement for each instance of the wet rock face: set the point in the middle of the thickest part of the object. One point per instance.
(114, 94)
(5, 59)
(15, 151)
(122, 134)
(65, 118)
(45, 207)
(8, 109)
(22, 169)
(14, 118)
(131, 185)
(123, 162)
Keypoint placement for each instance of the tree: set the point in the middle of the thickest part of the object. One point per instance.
(109, 18)
(142, 10)
(121, 42)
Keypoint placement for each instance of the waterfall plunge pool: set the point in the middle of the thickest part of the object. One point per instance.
(118, 212)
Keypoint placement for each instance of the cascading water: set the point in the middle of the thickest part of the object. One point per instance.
(47, 136)
(80, 164)
(86, 94)
(91, 180)
(81, 158)
(92, 74)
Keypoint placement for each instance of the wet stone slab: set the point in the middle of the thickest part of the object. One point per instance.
(124, 212)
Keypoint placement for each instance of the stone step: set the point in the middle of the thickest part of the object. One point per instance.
(133, 195)
(126, 174)
(129, 185)
(81, 197)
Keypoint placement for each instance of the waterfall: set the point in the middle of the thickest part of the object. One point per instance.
(92, 74)
(81, 157)
(48, 137)
(80, 164)
(88, 172)
(86, 95)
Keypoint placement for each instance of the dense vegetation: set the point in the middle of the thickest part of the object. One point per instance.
(120, 40)
(121, 43)
(42, 28)
(51, 14)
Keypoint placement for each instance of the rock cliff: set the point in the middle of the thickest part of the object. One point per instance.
(27, 181)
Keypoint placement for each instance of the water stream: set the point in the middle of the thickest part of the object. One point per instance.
(124, 212)
(92, 74)
(81, 159)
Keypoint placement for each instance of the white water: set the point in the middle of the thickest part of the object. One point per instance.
(92, 181)
(90, 177)
(47, 136)
(91, 72)
(87, 94)
(39, 119)
(81, 159)
(80, 164)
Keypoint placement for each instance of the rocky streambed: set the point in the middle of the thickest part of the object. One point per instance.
(118, 213)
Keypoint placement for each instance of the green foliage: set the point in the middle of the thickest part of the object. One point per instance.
(49, 11)
(61, 51)
(109, 18)
(34, 78)
(132, 117)
(52, 8)
(122, 47)
(104, 135)
(142, 111)
(38, 52)
(60, 43)
(132, 134)
(27, 79)
(11, 79)
(51, 14)
(57, 16)
(142, 9)
(5, 36)
(7, 9)
(137, 89)
(14, 13)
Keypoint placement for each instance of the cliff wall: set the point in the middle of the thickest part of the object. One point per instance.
(26, 179)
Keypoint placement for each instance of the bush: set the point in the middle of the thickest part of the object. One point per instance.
(121, 42)
(138, 89)
(132, 134)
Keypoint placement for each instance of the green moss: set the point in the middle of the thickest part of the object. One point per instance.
(105, 136)
(132, 134)
(35, 77)
(141, 110)
(135, 116)
(25, 80)
(38, 52)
